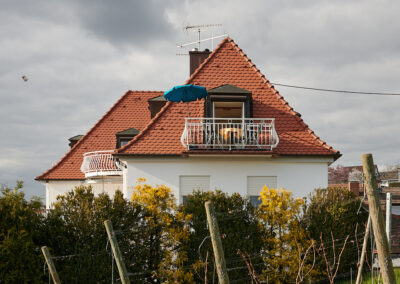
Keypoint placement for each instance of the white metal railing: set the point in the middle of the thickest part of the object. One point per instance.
(230, 133)
(100, 163)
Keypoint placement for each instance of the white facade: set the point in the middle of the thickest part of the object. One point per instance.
(55, 188)
(228, 174)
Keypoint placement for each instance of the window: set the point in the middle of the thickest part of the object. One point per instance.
(255, 184)
(125, 136)
(228, 101)
(124, 141)
(188, 184)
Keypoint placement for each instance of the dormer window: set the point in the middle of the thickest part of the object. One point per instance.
(228, 101)
(123, 137)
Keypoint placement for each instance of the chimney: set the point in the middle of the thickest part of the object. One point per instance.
(354, 187)
(196, 58)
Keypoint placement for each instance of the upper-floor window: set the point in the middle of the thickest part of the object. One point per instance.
(228, 101)
(227, 109)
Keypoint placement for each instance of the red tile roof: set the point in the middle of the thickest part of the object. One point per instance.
(227, 64)
(129, 111)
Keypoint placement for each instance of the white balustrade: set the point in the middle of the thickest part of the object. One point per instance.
(100, 163)
(230, 133)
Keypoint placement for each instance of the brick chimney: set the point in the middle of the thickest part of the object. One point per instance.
(354, 187)
(196, 58)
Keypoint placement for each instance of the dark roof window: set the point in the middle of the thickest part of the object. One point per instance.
(73, 140)
(123, 137)
(156, 104)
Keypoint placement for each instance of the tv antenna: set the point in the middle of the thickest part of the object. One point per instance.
(199, 29)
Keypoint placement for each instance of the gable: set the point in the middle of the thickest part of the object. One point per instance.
(228, 65)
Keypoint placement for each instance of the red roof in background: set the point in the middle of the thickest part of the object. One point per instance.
(227, 64)
(130, 111)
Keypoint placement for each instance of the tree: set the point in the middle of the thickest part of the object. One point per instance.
(355, 175)
(168, 231)
(338, 174)
(20, 257)
(284, 236)
(239, 228)
(335, 212)
(74, 231)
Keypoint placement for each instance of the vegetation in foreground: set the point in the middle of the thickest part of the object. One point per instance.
(284, 240)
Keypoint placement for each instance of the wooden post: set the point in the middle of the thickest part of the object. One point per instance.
(378, 224)
(216, 243)
(50, 265)
(117, 253)
(389, 217)
(364, 251)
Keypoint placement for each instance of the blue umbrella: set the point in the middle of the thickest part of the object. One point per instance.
(185, 93)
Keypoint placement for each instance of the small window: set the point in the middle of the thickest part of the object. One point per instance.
(255, 184)
(123, 137)
(188, 184)
(124, 141)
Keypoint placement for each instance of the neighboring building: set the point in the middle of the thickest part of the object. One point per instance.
(242, 137)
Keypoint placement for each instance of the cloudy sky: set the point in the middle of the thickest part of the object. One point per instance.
(81, 56)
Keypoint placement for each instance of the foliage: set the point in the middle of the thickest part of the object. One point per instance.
(20, 222)
(283, 236)
(238, 226)
(75, 230)
(168, 232)
(161, 240)
(333, 211)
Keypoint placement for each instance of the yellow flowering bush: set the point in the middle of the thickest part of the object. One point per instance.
(169, 231)
(280, 215)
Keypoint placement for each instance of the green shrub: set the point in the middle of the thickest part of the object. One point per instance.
(238, 225)
(333, 211)
(21, 260)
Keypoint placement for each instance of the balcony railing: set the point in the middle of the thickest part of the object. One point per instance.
(100, 163)
(229, 133)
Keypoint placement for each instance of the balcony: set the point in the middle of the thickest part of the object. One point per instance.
(230, 134)
(100, 163)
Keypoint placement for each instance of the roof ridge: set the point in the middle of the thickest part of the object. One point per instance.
(80, 141)
(280, 97)
(155, 118)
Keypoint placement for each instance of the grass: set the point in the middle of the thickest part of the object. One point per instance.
(367, 278)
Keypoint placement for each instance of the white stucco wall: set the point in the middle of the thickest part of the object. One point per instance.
(55, 188)
(299, 175)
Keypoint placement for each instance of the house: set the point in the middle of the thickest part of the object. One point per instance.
(243, 136)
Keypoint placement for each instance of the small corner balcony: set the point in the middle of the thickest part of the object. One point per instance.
(100, 163)
(230, 134)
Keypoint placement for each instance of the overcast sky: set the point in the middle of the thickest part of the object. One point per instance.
(81, 56)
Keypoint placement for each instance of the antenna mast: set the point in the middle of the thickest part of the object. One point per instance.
(199, 29)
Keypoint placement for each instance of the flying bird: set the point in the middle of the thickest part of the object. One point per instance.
(24, 78)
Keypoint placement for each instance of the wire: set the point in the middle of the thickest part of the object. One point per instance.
(335, 91)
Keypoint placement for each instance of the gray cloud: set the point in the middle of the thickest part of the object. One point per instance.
(125, 22)
(81, 56)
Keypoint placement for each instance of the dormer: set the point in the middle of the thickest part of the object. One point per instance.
(123, 137)
(156, 104)
(228, 101)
